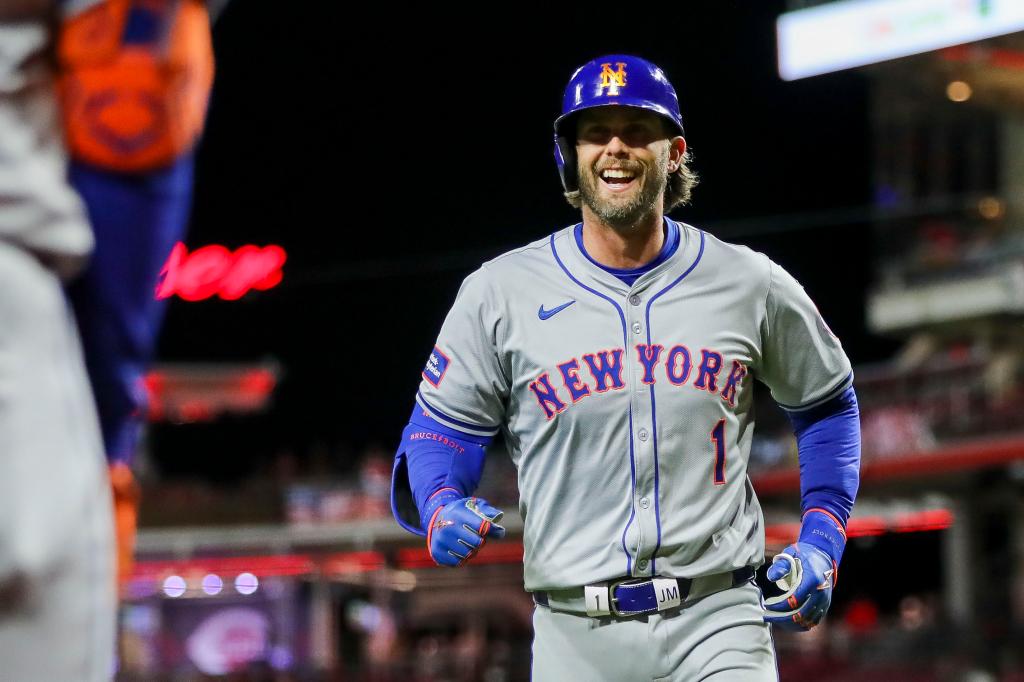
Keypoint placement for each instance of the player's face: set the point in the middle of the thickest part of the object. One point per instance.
(624, 156)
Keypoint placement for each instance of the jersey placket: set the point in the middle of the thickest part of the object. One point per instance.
(644, 438)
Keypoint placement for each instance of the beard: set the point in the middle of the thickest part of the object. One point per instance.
(622, 212)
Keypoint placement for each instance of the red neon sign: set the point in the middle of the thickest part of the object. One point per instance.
(216, 271)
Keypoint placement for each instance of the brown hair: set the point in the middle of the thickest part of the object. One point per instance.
(681, 184)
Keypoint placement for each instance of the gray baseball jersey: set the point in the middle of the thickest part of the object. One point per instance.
(58, 620)
(628, 410)
(39, 210)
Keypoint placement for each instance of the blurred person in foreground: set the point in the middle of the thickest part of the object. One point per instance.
(135, 82)
(57, 600)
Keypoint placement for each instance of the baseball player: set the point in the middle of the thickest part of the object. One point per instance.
(133, 167)
(57, 601)
(617, 357)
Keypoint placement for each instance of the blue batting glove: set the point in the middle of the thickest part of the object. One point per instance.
(807, 574)
(459, 528)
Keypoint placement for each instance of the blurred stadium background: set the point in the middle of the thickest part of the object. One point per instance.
(874, 148)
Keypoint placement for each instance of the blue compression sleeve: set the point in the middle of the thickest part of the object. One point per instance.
(828, 440)
(434, 465)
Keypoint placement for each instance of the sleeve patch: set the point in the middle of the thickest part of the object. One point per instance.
(437, 365)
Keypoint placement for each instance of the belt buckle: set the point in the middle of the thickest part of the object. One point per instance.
(613, 602)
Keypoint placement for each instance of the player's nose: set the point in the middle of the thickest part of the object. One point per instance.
(616, 147)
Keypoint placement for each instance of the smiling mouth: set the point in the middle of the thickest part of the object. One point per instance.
(617, 179)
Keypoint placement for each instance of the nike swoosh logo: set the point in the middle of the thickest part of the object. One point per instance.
(545, 314)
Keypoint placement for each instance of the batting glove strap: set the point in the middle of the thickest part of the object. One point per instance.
(807, 574)
(439, 499)
(823, 530)
(459, 529)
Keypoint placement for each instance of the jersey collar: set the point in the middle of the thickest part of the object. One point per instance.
(584, 269)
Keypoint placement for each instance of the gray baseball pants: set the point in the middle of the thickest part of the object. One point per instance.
(718, 638)
(57, 580)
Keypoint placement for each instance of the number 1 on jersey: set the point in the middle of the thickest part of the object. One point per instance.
(718, 438)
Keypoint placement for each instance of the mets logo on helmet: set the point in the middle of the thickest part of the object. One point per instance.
(613, 80)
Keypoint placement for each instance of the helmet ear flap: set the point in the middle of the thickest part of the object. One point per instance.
(565, 159)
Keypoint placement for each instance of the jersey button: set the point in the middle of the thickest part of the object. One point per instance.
(634, 299)
(644, 503)
(636, 327)
(642, 564)
(643, 434)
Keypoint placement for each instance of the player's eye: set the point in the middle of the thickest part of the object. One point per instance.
(638, 134)
(596, 134)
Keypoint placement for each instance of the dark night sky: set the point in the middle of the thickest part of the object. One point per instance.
(390, 155)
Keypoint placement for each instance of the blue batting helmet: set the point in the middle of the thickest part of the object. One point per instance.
(615, 79)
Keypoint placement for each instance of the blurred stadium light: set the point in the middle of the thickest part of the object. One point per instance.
(842, 35)
(193, 392)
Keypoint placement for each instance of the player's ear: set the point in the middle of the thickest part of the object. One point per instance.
(676, 153)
